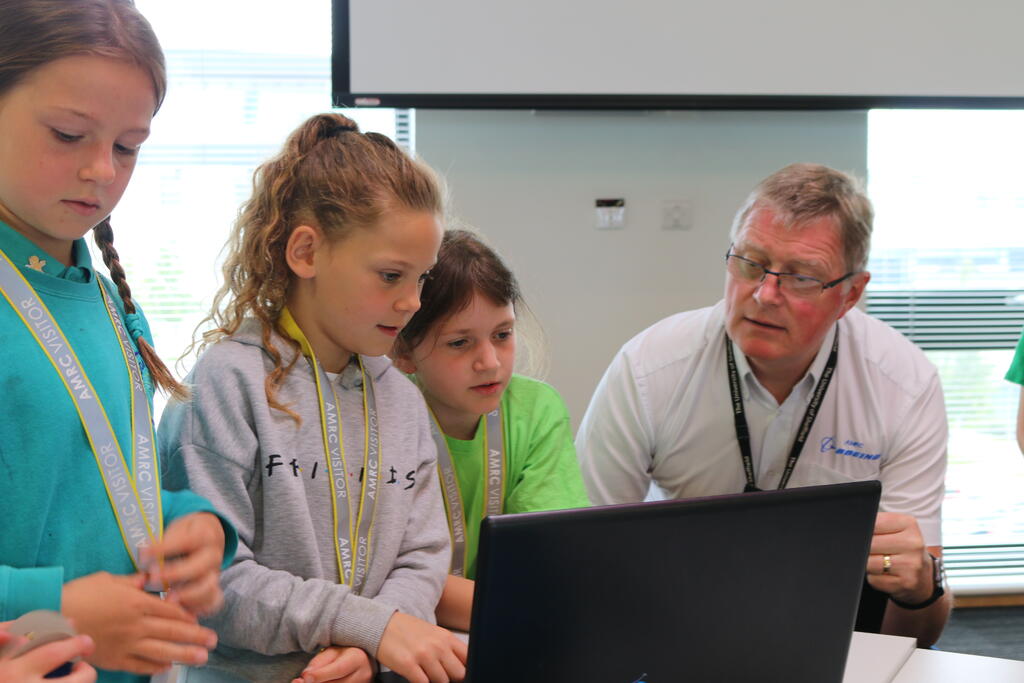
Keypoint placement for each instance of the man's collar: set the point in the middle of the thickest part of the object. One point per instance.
(804, 386)
(818, 364)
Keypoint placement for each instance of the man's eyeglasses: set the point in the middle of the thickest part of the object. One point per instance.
(791, 283)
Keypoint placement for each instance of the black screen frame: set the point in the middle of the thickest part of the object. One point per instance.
(342, 95)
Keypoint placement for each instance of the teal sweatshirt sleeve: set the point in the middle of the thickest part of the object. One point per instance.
(24, 590)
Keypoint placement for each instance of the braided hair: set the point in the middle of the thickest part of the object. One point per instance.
(103, 235)
(34, 33)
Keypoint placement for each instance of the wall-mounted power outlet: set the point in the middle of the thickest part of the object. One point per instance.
(611, 214)
(676, 214)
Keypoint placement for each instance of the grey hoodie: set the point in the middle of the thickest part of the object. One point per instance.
(267, 474)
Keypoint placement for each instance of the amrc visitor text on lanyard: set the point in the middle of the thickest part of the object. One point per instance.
(494, 483)
(134, 496)
(348, 523)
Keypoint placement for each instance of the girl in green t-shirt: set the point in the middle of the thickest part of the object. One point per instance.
(504, 440)
(1016, 375)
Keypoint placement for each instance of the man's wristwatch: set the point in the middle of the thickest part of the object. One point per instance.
(939, 577)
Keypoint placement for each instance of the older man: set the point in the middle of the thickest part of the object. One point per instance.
(786, 337)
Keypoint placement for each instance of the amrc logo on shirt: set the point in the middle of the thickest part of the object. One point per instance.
(849, 448)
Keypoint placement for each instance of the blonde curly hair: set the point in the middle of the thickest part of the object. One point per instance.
(330, 176)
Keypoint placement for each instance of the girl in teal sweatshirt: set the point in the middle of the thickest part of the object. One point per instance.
(80, 492)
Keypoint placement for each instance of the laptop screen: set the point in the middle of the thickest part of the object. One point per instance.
(747, 587)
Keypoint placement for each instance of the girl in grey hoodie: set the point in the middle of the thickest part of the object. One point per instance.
(305, 435)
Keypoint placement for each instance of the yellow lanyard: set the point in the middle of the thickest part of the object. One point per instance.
(134, 496)
(493, 483)
(351, 527)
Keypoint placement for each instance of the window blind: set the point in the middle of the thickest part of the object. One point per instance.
(947, 270)
(985, 570)
(952, 319)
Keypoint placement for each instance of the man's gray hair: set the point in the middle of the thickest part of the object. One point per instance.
(803, 192)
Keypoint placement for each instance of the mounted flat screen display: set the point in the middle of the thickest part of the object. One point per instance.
(678, 53)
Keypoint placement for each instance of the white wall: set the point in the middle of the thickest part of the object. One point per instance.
(528, 182)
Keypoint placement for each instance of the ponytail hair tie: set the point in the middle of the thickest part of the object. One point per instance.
(340, 129)
(133, 323)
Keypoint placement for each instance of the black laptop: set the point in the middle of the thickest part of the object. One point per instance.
(748, 587)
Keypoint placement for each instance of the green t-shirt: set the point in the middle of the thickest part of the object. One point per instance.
(541, 471)
(1016, 372)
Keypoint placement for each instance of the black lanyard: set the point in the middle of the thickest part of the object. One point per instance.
(740, 419)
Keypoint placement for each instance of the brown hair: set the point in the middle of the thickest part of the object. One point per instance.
(34, 33)
(329, 176)
(465, 266)
(804, 192)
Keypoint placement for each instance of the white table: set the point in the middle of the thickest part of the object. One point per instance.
(876, 658)
(933, 666)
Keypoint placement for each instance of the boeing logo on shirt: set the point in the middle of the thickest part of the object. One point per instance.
(849, 448)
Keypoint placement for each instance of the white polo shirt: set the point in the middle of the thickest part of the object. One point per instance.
(662, 413)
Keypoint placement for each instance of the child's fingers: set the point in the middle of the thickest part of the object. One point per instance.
(454, 665)
(171, 545)
(50, 656)
(354, 677)
(172, 631)
(165, 640)
(436, 670)
(177, 542)
(6, 636)
(460, 647)
(188, 568)
(323, 658)
(335, 664)
(326, 666)
(164, 609)
(187, 535)
(136, 580)
(202, 597)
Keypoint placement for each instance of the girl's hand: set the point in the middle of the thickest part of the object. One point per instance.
(36, 663)
(421, 652)
(133, 630)
(191, 553)
(341, 664)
